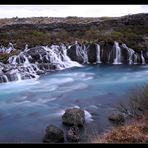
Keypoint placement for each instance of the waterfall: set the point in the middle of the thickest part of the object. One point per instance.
(117, 59)
(109, 57)
(19, 76)
(6, 79)
(81, 51)
(31, 63)
(12, 59)
(26, 47)
(85, 54)
(2, 49)
(7, 50)
(98, 54)
(58, 56)
(10, 48)
(26, 69)
(26, 62)
(132, 55)
(142, 58)
(67, 60)
(135, 58)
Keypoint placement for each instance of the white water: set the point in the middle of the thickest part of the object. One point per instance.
(132, 55)
(98, 54)
(135, 58)
(60, 57)
(2, 49)
(5, 77)
(19, 76)
(117, 59)
(81, 51)
(57, 55)
(9, 49)
(142, 58)
(54, 54)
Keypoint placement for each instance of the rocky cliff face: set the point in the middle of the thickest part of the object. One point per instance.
(32, 62)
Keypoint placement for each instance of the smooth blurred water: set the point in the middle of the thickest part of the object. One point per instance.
(28, 107)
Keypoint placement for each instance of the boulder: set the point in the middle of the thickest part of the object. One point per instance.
(53, 135)
(73, 134)
(74, 116)
(116, 117)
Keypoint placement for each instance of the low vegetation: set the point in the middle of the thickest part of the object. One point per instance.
(135, 132)
(136, 129)
(131, 29)
(138, 103)
(5, 56)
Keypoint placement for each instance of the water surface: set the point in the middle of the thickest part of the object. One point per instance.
(28, 107)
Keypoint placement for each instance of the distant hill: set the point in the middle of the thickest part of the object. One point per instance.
(130, 29)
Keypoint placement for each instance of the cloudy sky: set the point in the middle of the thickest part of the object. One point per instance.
(8, 11)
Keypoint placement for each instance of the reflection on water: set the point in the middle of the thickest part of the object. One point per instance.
(28, 107)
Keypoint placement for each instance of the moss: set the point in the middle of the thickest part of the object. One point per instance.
(4, 56)
(38, 33)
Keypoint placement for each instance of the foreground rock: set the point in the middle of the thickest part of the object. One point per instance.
(74, 116)
(53, 135)
(116, 117)
(73, 134)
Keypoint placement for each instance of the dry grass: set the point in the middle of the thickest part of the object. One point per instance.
(135, 132)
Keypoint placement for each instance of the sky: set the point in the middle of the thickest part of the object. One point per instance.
(9, 11)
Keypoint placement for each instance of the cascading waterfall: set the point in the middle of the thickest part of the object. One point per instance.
(54, 55)
(19, 76)
(135, 58)
(10, 48)
(85, 54)
(2, 49)
(98, 54)
(67, 61)
(82, 52)
(6, 79)
(59, 57)
(32, 62)
(132, 55)
(117, 59)
(142, 58)
(26, 47)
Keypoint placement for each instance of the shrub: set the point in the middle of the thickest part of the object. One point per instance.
(138, 103)
(133, 133)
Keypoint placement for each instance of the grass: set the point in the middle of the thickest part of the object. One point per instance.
(135, 132)
(77, 28)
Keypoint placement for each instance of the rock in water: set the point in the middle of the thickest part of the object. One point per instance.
(74, 116)
(73, 134)
(53, 135)
(116, 117)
